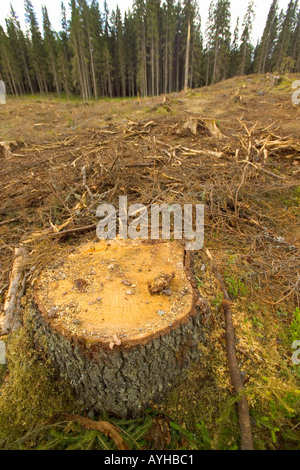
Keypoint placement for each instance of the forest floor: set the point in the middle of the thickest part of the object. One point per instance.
(234, 147)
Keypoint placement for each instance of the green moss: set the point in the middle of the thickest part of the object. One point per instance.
(162, 110)
(235, 287)
(205, 415)
(2, 373)
(295, 325)
(292, 198)
(32, 392)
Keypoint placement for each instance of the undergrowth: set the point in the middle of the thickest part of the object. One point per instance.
(32, 393)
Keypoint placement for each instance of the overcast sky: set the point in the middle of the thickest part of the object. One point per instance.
(238, 8)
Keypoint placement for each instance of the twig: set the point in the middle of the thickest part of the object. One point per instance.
(73, 230)
(136, 165)
(4, 222)
(288, 294)
(263, 169)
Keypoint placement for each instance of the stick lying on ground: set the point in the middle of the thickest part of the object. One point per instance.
(4, 222)
(243, 409)
(103, 426)
(15, 292)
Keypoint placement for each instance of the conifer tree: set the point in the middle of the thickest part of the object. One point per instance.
(282, 52)
(219, 38)
(51, 49)
(266, 46)
(234, 53)
(295, 46)
(37, 51)
(64, 53)
(155, 47)
(140, 31)
(246, 48)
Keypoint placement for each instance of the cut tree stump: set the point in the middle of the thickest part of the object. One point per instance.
(121, 320)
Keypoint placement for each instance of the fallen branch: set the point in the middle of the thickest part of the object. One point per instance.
(74, 230)
(243, 408)
(15, 292)
(5, 222)
(288, 294)
(136, 165)
(103, 426)
(208, 153)
(259, 168)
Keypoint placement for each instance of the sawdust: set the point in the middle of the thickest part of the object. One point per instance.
(101, 290)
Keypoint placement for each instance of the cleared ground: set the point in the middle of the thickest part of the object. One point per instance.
(66, 157)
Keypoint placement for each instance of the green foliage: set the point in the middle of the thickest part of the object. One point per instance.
(295, 325)
(217, 301)
(236, 288)
(292, 198)
(2, 373)
(102, 53)
(199, 282)
(296, 196)
(71, 436)
(277, 414)
(202, 441)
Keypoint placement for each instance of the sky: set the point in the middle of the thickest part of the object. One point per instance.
(238, 8)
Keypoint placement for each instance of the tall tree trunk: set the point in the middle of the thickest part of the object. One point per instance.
(152, 65)
(187, 56)
(92, 66)
(12, 78)
(216, 58)
(207, 68)
(166, 64)
(157, 67)
(80, 76)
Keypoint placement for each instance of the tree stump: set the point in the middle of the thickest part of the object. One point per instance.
(120, 321)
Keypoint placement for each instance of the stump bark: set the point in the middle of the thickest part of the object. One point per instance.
(121, 321)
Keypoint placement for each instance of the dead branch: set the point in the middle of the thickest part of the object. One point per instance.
(259, 168)
(15, 291)
(141, 165)
(102, 426)
(74, 230)
(243, 408)
(10, 221)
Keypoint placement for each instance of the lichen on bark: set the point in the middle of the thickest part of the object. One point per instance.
(122, 381)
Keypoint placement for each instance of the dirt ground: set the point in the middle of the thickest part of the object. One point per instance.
(64, 158)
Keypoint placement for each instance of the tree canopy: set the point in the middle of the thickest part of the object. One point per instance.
(155, 47)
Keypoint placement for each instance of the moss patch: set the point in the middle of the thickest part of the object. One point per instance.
(32, 392)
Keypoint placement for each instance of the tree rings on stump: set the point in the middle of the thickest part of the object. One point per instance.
(120, 321)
